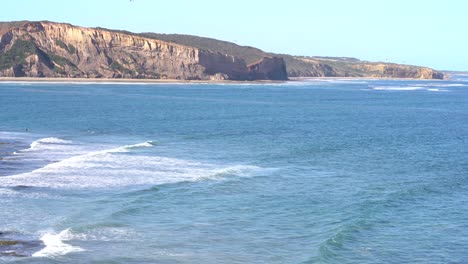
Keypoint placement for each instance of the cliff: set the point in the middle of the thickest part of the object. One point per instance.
(352, 67)
(300, 66)
(268, 68)
(47, 49)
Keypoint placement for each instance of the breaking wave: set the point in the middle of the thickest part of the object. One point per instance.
(55, 245)
(409, 88)
(49, 142)
(116, 167)
(397, 88)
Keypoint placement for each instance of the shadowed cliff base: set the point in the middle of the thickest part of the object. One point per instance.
(58, 50)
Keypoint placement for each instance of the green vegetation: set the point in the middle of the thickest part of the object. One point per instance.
(61, 61)
(69, 48)
(61, 44)
(6, 26)
(118, 67)
(17, 54)
(295, 65)
(249, 54)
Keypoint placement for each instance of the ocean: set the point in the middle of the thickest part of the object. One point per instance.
(313, 171)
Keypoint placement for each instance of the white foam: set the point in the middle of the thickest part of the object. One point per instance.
(12, 135)
(54, 245)
(397, 88)
(127, 148)
(46, 150)
(239, 170)
(47, 141)
(437, 90)
(104, 234)
(452, 85)
(437, 85)
(115, 168)
(13, 194)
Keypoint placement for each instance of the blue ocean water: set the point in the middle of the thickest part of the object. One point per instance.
(317, 171)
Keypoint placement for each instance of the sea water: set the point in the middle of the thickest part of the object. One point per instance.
(316, 171)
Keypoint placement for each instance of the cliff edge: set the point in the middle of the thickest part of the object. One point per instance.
(47, 49)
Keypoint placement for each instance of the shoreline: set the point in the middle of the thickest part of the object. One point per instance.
(124, 80)
(362, 78)
(175, 81)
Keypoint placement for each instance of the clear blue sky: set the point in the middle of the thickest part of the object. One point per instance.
(421, 32)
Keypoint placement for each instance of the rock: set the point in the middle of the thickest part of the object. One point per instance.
(8, 243)
(269, 68)
(20, 187)
(351, 67)
(47, 49)
(14, 244)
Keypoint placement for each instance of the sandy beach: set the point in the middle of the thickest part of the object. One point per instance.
(115, 80)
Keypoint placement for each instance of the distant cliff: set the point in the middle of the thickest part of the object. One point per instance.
(299, 66)
(47, 49)
(351, 67)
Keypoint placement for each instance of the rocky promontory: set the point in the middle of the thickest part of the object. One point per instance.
(47, 49)
(59, 50)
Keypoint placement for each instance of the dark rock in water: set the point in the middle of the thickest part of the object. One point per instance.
(20, 187)
(14, 244)
(8, 243)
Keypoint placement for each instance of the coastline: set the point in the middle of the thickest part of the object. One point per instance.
(123, 80)
(363, 78)
(176, 81)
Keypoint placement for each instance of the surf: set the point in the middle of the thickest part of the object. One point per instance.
(55, 245)
(120, 167)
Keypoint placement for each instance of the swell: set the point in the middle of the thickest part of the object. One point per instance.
(365, 218)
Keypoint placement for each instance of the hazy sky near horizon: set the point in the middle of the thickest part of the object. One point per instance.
(420, 32)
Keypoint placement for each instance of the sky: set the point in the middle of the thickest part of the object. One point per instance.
(418, 32)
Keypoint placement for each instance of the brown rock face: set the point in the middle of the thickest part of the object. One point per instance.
(47, 49)
(402, 71)
(216, 64)
(269, 68)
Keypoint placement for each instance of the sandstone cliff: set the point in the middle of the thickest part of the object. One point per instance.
(300, 66)
(351, 67)
(47, 49)
(269, 68)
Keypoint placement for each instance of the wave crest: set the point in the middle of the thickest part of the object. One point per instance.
(115, 168)
(47, 142)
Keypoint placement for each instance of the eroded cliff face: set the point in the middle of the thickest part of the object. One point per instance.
(47, 49)
(269, 68)
(350, 67)
(401, 71)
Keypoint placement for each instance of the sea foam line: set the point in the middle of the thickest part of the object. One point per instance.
(409, 88)
(113, 168)
(397, 88)
(48, 141)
